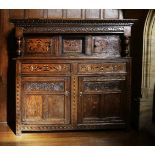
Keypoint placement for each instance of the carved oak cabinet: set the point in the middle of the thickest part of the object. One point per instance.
(72, 74)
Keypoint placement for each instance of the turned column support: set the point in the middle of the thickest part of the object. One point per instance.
(19, 37)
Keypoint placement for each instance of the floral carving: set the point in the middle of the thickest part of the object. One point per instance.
(37, 46)
(45, 68)
(106, 67)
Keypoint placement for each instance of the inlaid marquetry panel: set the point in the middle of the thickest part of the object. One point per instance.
(107, 46)
(37, 46)
(45, 68)
(102, 68)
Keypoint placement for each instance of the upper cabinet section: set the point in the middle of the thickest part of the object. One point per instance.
(53, 37)
(67, 13)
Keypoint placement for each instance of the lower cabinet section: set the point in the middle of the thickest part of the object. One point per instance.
(86, 98)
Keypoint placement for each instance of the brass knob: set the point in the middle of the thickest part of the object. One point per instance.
(66, 93)
(80, 93)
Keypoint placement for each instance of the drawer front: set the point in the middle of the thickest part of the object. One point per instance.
(102, 68)
(46, 68)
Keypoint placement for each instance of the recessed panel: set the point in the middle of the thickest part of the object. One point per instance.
(91, 105)
(111, 105)
(33, 107)
(56, 106)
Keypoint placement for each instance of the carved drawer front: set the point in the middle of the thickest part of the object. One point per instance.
(46, 100)
(102, 68)
(101, 101)
(46, 68)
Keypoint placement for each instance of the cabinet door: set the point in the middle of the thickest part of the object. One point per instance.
(46, 100)
(102, 101)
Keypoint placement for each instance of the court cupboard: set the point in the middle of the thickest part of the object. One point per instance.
(72, 74)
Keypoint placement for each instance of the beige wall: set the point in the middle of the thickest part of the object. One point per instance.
(148, 74)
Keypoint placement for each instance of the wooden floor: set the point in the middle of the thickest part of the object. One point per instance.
(76, 138)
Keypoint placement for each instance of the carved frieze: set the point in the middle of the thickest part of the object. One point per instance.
(82, 29)
(43, 86)
(53, 68)
(102, 68)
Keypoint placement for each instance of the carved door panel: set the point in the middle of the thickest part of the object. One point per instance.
(101, 101)
(46, 100)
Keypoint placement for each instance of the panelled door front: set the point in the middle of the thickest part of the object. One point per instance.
(101, 101)
(46, 100)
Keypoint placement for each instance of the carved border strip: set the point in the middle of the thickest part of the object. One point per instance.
(74, 100)
(45, 128)
(56, 22)
(18, 101)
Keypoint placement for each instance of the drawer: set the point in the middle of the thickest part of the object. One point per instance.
(102, 68)
(46, 68)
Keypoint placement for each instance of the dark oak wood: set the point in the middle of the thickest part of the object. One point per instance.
(72, 74)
